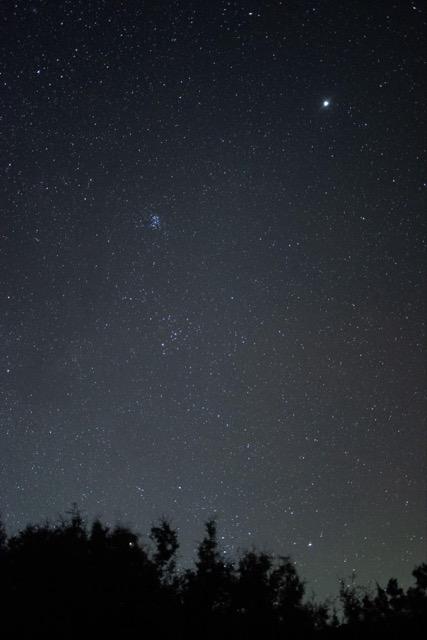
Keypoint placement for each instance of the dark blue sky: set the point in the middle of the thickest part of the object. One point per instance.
(212, 268)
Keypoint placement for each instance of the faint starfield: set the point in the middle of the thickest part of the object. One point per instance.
(213, 274)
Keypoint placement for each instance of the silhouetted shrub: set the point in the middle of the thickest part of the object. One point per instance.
(66, 579)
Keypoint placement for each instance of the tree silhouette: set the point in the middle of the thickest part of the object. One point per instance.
(66, 580)
(167, 545)
(207, 590)
(387, 612)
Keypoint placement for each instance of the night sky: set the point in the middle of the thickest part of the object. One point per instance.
(212, 273)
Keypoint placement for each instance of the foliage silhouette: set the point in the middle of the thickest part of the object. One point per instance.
(68, 579)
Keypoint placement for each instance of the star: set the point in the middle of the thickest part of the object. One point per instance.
(154, 222)
(326, 103)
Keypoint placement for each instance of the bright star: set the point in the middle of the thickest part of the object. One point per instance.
(326, 103)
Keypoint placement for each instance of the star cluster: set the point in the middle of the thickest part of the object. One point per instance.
(212, 268)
